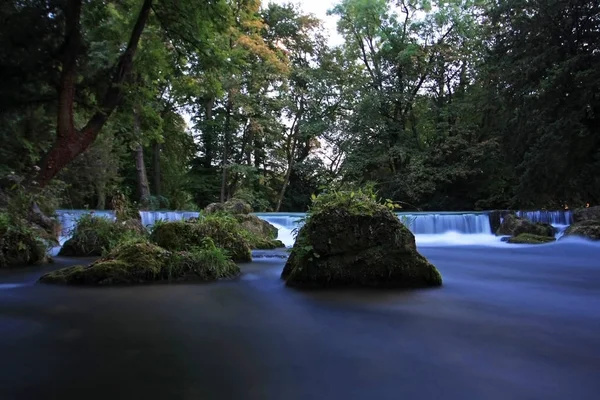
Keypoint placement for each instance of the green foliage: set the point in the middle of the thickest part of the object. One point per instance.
(94, 236)
(21, 244)
(446, 105)
(138, 262)
(528, 238)
(358, 201)
(223, 229)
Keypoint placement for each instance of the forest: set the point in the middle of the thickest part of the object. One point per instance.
(438, 105)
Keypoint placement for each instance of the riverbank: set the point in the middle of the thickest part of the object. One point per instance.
(509, 323)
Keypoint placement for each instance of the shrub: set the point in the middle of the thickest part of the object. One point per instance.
(95, 235)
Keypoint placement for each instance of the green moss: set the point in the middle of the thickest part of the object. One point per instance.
(21, 245)
(233, 206)
(515, 226)
(224, 230)
(143, 262)
(95, 235)
(589, 229)
(203, 264)
(357, 243)
(257, 226)
(528, 238)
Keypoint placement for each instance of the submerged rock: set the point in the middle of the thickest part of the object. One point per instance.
(362, 247)
(587, 228)
(514, 226)
(142, 262)
(528, 238)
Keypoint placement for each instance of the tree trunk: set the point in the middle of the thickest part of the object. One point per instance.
(293, 140)
(70, 142)
(101, 193)
(207, 137)
(226, 147)
(156, 167)
(143, 189)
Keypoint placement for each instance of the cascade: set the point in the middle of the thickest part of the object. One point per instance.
(431, 223)
(554, 217)
(149, 218)
(472, 226)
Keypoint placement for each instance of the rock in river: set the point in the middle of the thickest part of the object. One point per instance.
(357, 246)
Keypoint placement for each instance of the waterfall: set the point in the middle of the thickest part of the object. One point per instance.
(427, 226)
(149, 218)
(438, 223)
(68, 219)
(554, 217)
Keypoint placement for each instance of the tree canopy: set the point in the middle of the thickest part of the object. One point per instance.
(440, 105)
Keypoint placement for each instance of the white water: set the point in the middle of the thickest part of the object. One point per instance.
(429, 228)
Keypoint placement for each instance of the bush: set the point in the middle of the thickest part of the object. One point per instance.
(95, 235)
(21, 244)
(137, 262)
(224, 230)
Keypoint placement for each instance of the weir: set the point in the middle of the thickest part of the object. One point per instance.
(422, 224)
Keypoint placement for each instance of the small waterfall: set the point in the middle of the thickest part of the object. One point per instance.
(433, 226)
(438, 223)
(149, 218)
(68, 219)
(554, 217)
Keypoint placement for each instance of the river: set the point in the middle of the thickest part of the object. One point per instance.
(509, 323)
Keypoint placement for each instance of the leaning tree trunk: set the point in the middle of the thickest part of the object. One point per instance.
(70, 141)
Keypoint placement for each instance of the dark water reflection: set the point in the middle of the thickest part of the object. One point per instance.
(510, 323)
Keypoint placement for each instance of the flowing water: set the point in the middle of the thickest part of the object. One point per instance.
(430, 228)
(510, 322)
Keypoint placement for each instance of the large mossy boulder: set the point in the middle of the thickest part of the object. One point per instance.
(514, 226)
(222, 230)
(350, 240)
(143, 262)
(233, 206)
(587, 228)
(528, 238)
(94, 235)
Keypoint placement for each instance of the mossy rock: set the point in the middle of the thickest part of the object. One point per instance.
(95, 235)
(200, 265)
(257, 226)
(224, 231)
(142, 262)
(233, 206)
(586, 214)
(587, 228)
(20, 248)
(22, 244)
(514, 226)
(357, 245)
(528, 238)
